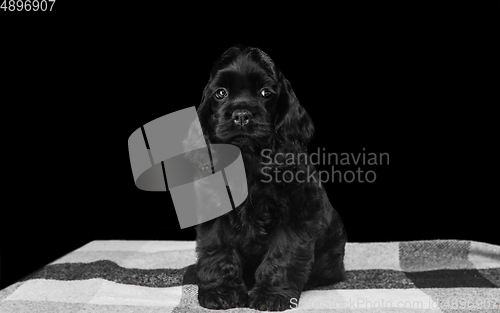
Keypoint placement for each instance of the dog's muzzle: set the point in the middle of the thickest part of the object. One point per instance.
(241, 117)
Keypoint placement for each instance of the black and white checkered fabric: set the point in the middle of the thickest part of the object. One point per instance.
(157, 276)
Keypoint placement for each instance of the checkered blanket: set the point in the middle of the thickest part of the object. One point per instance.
(157, 276)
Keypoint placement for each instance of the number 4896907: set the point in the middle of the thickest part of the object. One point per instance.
(27, 5)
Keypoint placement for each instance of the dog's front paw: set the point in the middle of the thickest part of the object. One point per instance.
(223, 297)
(262, 300)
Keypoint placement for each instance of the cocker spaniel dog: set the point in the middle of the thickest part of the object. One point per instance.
(285, 237)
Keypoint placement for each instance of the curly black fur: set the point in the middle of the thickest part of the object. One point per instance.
(285, 237)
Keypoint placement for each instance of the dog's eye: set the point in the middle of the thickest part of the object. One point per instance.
(220, 93)
(266, 93)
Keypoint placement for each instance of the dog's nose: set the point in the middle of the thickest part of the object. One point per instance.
(242, 117)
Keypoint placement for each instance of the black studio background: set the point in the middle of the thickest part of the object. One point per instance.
(417, 80)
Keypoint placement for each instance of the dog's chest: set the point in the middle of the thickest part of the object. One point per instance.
(253, 226)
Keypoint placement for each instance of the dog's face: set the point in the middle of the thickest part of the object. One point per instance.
(247, 102)
(243, 102)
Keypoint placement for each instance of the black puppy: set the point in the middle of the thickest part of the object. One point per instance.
(285, 237)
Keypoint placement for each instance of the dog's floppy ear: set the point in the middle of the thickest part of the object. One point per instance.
(293, 123)
(199, 131)
(205, 111)
(198, 135)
